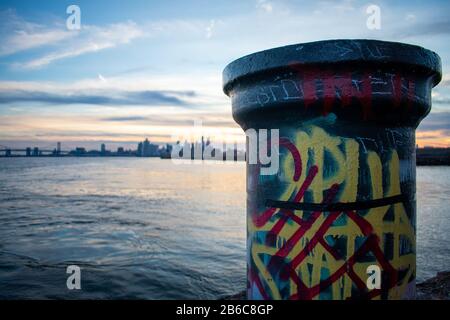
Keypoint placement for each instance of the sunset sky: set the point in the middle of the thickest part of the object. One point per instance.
(141, 69)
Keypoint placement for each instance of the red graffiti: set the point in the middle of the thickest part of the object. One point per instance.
(342, 87)
(287, 269)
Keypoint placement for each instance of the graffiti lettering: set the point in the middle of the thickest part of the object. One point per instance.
(312, 254)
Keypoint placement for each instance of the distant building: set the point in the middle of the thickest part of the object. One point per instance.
(433, 156)
(147, 149)
(166, 152)
(80, 151)
(203, 147)
(103, 148)
(120, 150)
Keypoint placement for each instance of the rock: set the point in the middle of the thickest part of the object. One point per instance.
(239, 296)
(437, 288)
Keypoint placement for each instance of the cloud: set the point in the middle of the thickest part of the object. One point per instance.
(18, 35)
(436, 121)
(179, 119)
(95, 134)
(209, 29)
(118, 125)
(438, 138)
(434, 130)
(441, 100)
(193, 91)
(125, 119)
(445, 80)
(441, 94)
(58, 42)
(437, 134)
(89, 39)
(100, 97)
(264, 5)
(101, 78)
(410, 17)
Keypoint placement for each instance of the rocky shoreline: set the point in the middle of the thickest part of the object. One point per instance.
(436, 288)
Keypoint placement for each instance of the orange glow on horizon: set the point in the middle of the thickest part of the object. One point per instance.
(436, 138)
(90, 129)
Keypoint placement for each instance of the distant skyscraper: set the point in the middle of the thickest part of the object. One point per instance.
(203, 147)
(147, 149)
(58, 148)
(103, 148)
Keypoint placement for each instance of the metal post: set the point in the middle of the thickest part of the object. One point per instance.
(337, 220)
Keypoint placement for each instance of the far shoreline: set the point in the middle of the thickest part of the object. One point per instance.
(421, 162)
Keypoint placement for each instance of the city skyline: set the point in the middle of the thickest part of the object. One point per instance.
(148, 69)
(143, 148)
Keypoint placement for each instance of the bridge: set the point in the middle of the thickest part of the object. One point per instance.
(6, 151)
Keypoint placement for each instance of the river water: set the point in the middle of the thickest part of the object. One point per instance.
(144, 228)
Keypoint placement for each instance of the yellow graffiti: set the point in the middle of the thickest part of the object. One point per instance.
(318, 147)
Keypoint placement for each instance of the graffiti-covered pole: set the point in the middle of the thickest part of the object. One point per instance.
(337, 220)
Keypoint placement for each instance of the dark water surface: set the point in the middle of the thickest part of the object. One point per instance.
(146, 228)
